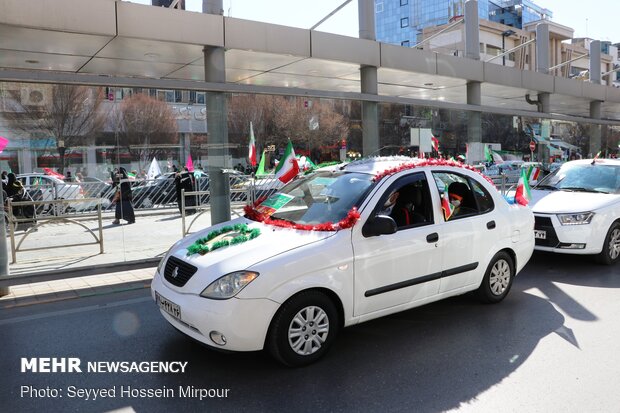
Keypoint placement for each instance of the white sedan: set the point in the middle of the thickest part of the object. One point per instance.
(330, 250)
(577, 209)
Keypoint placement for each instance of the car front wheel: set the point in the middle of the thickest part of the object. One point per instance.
(303, 329)
(611, 247)
(497, 279)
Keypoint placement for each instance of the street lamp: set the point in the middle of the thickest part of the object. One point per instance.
(505, 34)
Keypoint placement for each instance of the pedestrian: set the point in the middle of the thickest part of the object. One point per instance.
(5, 177)
(68, 177)
(184, 180)
(122, 197)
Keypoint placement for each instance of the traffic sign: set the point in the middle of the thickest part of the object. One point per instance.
(532, 146)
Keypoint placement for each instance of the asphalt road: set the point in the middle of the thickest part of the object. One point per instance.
(551, 346)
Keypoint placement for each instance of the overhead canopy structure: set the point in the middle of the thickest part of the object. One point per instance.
(110, 42)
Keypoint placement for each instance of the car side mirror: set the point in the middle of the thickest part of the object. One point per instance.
(379, 225)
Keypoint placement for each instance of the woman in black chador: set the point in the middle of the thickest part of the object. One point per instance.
(122, 197)
(185, 180)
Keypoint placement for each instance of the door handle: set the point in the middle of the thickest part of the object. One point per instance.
(434, 237)
(491, 225)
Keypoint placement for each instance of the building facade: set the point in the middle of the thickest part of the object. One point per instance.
(402, 21)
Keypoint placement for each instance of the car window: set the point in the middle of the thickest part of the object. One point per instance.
(484, 200)
(458, 190)
(318, 198)
(582, 177)
(408, 202)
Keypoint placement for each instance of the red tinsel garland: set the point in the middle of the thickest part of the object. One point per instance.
(347, 222)
(430, 162)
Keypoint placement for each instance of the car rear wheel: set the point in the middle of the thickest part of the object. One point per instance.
(611, 247)
(303, 329)
(497, 279)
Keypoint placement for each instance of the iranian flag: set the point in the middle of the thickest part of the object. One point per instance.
(435, 143)
(523, 195)
(446, 206)
(533, 173)
(252, 148)
(287, 168)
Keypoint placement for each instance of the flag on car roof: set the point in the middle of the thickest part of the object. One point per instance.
(446, 206)
(287, 168)
(252, 147)
(50, 172)
(523, 194)
(435, 143)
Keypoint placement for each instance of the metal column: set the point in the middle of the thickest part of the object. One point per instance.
(370, 112)
(218, 157)
(595, 130)
(472, 51)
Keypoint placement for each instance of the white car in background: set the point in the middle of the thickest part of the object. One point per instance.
(42, 187)
(577, 209)
(324, 253)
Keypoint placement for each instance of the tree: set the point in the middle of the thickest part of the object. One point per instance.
(70, 114)
(144, 124)
(275, 119)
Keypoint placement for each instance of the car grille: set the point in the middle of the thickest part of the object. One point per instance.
(545, 224)
(178, 272)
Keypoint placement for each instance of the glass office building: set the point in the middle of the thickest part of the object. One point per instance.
(402, 21)
(516, 13)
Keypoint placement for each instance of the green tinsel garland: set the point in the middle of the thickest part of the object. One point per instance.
(201, 245)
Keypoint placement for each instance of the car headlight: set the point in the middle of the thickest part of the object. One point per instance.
(576, 219)
(229, 285)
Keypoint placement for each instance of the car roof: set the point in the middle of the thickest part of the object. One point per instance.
(377, 164)
(600, 161)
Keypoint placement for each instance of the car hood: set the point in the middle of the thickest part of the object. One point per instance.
(551, 202)
(272, 241)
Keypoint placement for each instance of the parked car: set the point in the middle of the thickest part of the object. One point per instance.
(321, 254)
(42, 187)
(577, 209)
(162, 191)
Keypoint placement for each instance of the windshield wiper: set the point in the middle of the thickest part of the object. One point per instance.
(553, 188)
(580, 189)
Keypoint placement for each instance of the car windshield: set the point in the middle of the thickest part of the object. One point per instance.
(317, 198)
(583, 178)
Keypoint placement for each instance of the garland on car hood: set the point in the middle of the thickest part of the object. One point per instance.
(203, 245)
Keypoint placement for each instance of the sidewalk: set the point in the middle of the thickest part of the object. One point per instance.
(131, 254)
(77, 287)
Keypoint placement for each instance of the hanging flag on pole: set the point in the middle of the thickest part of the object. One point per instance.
(252, 148)
(261, 166)
(154, 170)
(287, 168)
(523, 194)
(3, 143)
(189, 163)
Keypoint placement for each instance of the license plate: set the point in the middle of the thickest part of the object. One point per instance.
(168, 306)
(540, 234)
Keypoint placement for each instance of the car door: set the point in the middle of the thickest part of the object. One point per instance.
(396, 269)
(467, 235)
